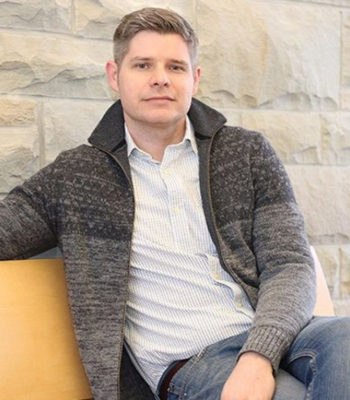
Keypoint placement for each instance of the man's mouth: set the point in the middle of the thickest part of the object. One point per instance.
(159, 98)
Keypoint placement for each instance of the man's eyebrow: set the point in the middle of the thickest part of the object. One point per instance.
(180, 62)
(171, 60)
(138, 58)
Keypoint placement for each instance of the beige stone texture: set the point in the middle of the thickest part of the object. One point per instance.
(233, 117)
(48, 66)
(345, 272)
(324, 198)
(256, 55)
(341, 307)
(345, 3)
(17, 112)
(99, 19)
(296, 137)
(53, 15)
(19, 155)
(345, 99)
(331, 265)
(63, 130)
(336, 138)
(345, 90)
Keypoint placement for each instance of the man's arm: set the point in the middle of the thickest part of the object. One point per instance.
(26, 227)
(287, 280)
(287, 284)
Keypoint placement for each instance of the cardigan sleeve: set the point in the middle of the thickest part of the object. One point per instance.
(286, 294)
(26, 217)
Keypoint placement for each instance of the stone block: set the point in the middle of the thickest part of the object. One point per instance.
(68, 124)
(54, 15)
(53, 67)
(17, 112)
(342, 308)
(329, 257)
(296, 137)
(345, 91)
(19, 158)
(336, 138)
(344, 3)
(233, 117)
(99, 19)
(285, 56)
(345, 272)
(345, 99)
(323, 194)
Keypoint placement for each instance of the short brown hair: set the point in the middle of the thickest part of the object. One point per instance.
(155, 20)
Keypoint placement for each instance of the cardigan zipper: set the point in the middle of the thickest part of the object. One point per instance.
(128, 266)
(210, 214)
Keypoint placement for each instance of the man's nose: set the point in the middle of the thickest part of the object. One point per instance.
(160, 77)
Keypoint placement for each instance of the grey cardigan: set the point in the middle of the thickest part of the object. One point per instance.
(83, 203)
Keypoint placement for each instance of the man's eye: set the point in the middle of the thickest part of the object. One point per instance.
(177, 68)
(142, 66)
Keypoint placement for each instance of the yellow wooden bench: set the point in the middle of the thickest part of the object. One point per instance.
(39, 359)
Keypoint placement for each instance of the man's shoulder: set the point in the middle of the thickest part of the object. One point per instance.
(236, 138)
(79, 153)
(82, 159)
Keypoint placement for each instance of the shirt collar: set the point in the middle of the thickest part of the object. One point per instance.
(189, 135)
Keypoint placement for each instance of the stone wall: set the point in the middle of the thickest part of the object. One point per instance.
(280, 67)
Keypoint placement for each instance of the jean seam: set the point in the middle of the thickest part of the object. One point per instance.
(312, 355)
(309, 389)
(194, 361)
(305, 353)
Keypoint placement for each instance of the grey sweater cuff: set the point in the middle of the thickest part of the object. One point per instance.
(269, 342)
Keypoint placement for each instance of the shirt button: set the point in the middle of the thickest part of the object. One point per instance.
(176, 209)
(239, 304)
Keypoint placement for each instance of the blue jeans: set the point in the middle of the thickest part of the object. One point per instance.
(317, 366)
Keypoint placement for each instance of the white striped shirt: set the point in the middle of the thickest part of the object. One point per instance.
(181, 299)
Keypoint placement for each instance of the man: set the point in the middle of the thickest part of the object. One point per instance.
(182, 241)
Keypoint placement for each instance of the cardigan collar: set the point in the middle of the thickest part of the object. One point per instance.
(109, 134)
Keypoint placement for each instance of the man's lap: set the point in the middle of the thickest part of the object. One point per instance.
(204, 375)
(321, 345)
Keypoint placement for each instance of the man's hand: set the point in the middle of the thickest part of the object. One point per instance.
(252, 379)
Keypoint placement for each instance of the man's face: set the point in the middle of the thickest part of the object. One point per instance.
(155, 80)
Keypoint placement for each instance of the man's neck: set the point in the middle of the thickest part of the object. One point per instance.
(155, 139)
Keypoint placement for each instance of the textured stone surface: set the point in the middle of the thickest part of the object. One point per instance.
(295, 137)
(324, 197)
(331, 265)
(345, 272)
(48, 66)
(257, 55)
(233, 117)
(63, 130)
(18, 156)
(345, 3)
(346, 62)
(17, 113)
(336, 139)
(48, 15)
(99, 19)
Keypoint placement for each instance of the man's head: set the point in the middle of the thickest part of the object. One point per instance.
(153, 20)
(155, 71)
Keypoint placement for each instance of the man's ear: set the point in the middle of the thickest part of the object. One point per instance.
(197, 78)
(112, 74)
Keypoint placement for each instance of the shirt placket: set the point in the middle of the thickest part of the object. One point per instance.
(176, 191)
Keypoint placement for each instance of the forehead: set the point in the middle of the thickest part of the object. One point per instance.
(153, 45)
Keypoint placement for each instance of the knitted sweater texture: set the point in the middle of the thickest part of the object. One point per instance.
(83, 203)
